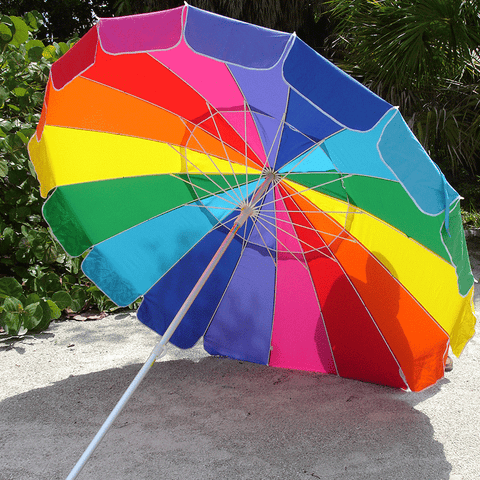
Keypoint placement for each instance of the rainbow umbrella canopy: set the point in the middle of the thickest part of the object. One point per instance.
(159, 131)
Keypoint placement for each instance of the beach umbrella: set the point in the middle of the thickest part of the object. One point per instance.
(256, 196)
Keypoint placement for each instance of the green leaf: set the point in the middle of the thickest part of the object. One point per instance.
(22, 137)
(12, 315)
(21, 31)
(62, 48)
(62, 299)
(49, 52)
(49, 283)
(3, 94)
(31, 21)
(55, 311)
(12, 305)
(19, 91)
(33, 316)
(11, 322)
(32, 298)
(9, 287)
(46, 317)
(6, 125)
(69, 280)
(35, 50)
(34, 20)
(6, 34)
(3, 168)
(35, 54)
(34, 43)
(7, 241)
(31, 169)
(79, 298)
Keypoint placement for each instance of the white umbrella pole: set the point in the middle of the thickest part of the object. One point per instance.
(159, 348)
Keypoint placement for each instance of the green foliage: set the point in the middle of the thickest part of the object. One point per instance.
(469, 185)
(38, 280)
(471, 219)
(284, 15)
(20, 313)
(62, 18)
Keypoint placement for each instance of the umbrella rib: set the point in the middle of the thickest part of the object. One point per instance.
(182, 119)
(281, 124)
(257, 220)
(246, 148)
(234, 198)
(317, 211)
(264, 243)
(356, 291)
(323, 184)
(246, 108)
(347, 213)
(308, 189)
(305, 264)
(212, 116)
(245, 241)
(233, 202)
(368, 311)
(316, 230)
(209, 207)
(193, 185)
(210, 158)
(313, 229)
(200, 95)
(295, 255)
(312, 248)
(311, 148)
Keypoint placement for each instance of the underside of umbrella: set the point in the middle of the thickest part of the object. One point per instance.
(354, 262)
(159, 130)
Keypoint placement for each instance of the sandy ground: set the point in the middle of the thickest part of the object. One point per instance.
(198, 417)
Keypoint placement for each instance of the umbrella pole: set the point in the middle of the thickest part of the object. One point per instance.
(159, 348)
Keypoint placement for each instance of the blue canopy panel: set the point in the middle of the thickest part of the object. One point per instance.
(357, 153)
(233, 41)
(242, 325)
(314, 160)
(411, 165)
(338, 95)
(266, 93)
(161, 303)
(308, 119)
(292, 145)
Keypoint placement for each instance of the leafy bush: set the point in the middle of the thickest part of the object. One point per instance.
(37, 278)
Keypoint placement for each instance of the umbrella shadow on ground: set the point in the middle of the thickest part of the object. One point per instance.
(220, 418)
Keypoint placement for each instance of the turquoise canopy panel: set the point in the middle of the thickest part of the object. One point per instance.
(412, 167)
